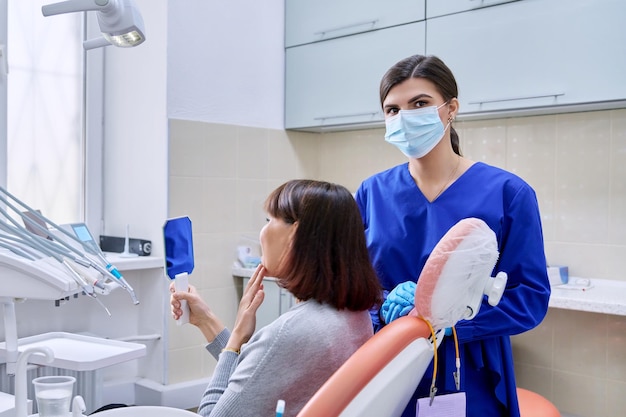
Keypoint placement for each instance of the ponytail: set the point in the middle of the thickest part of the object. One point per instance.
(454, 139)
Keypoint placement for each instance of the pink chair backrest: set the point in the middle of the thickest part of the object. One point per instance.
(391, 363)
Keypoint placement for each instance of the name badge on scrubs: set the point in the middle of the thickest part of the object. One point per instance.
(446, 405)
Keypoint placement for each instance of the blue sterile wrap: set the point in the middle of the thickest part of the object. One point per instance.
(178, 246)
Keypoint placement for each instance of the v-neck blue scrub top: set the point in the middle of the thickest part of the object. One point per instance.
(402, 227)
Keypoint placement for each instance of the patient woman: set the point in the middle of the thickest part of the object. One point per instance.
(314, 244)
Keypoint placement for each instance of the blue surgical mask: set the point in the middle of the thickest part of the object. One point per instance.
(415, 132)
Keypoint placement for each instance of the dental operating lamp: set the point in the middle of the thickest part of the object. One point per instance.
(120, 22)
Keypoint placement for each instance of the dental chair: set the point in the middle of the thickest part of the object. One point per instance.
(382, 375)
(380, 378)
(532, 404)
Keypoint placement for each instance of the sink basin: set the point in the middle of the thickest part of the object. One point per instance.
(145, 411)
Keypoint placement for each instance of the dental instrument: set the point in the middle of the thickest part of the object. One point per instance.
(280, 408)
(82, 232)
(48, 248)
(51, 250)
(81, 237)
(16, 249)
(179, 260)
(42, 245)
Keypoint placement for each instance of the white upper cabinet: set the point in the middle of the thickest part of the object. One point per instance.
(335, 83)
(436, 8)
(509, 57)
(309, 21)
(543, 55)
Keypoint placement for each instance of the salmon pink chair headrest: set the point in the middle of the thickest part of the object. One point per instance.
(457, 274)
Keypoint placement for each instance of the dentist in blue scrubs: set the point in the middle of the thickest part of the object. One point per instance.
(408, 208)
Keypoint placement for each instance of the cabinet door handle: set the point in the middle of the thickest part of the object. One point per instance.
(499, 100)
(343, 116)
(371, 23)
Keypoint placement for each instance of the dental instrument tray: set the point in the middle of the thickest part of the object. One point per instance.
(78, 352)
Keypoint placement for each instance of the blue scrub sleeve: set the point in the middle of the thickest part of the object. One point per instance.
(525, 300)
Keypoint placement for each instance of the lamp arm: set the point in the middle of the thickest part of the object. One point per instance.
(95, 43)
(70, 6)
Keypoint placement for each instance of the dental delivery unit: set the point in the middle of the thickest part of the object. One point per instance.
(66, 255)
(41, 260)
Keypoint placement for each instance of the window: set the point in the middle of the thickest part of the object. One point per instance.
(46, 132)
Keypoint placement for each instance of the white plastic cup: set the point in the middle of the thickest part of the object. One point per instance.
(54, 395)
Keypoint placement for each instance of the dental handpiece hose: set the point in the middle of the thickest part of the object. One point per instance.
(95, 250)
(56, 252)
(124, 284)
(106, 269)
(41, 245)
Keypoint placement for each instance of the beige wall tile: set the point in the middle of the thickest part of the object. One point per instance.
(348, 158)
(251, 195)
(183, 364)
(615, 398)
(290, 155)
(616, 350)
(220, 152)
(214, 256)
(484, 141)
(617, 179)
(534, 378)
(207, 365)
(531, 145)
(187, 148)
(252, 153)
(535, 347)
(183, 337)
(185, 200)
(580, 343)
(218, 196)
(580, 395)
(582, 198)
(588, 260)
(201, 260)
(223, 302)
(199, 149)
(307, 151)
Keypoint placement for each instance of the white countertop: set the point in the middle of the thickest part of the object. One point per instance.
(134, 263)
(601, 296)
(240, 271)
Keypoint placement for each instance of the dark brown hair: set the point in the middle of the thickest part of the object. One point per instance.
(328, 260)
(430, 68)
